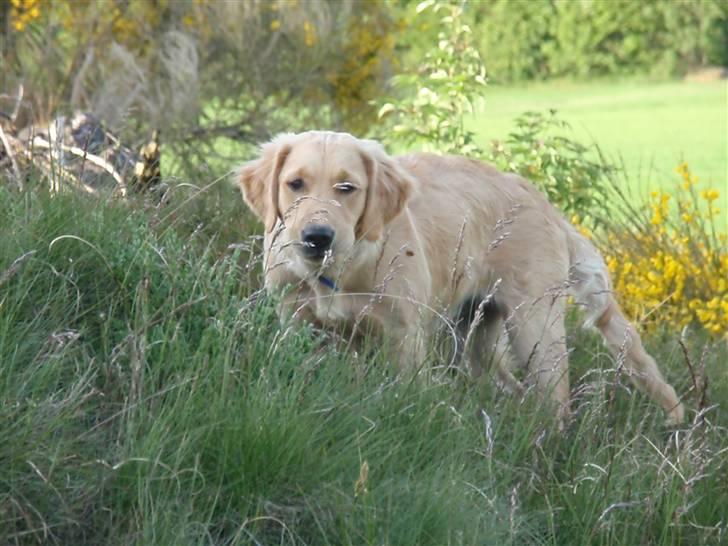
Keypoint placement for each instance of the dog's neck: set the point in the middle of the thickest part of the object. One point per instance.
(337, 291)
(353, 272)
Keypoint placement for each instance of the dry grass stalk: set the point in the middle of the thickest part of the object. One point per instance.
(14, 267)
(11, 156)
(698, 377)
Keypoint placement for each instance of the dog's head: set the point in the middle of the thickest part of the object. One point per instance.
(329, 190)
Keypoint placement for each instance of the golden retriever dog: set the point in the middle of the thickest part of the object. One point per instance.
(357, 239)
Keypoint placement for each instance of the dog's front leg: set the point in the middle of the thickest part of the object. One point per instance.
(404, 336)
(412, 357)
(296, 305)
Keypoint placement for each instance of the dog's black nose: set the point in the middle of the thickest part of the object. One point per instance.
(317, 239)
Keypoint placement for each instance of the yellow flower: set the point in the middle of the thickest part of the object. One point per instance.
(23, 12)
(309, 34)
(275, 25)
(679, 279)
(710, 195)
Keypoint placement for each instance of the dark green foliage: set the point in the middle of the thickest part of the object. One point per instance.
(538, 39)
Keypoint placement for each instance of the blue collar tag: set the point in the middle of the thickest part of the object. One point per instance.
(328, 282)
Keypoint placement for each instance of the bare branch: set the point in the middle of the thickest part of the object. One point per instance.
(91, 158)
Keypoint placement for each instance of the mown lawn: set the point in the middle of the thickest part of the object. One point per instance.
(149, 396)
(650, 126)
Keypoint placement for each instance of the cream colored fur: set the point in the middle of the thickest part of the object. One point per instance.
(423, 234)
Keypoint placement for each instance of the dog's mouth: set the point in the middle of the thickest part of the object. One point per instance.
(314, 253)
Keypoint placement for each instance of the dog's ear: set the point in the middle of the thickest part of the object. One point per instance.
(388, 189)
(259, 179)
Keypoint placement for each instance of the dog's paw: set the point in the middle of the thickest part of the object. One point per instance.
(676, 416)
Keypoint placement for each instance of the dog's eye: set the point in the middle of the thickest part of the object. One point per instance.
(296, 184)
(344, 187)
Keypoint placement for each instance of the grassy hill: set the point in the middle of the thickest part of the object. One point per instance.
(148, 395)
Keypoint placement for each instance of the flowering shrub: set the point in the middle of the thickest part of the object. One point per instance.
(229, 73)
(668, 258)
(23, 12)
(360, 67)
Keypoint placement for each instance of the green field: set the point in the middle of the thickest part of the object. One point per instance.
(650, 126)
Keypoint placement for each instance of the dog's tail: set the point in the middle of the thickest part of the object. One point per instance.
(591, 287)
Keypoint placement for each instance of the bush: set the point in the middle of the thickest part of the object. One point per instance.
(668, 257)
(524, 39)
(541, 150)
(432, 100)
(213, 77)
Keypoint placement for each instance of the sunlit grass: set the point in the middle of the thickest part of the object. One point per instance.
(652, 126)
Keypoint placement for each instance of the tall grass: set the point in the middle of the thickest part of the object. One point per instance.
(149, 395)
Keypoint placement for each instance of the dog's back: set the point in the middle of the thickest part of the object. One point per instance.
(483, 228)
(478, 224)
